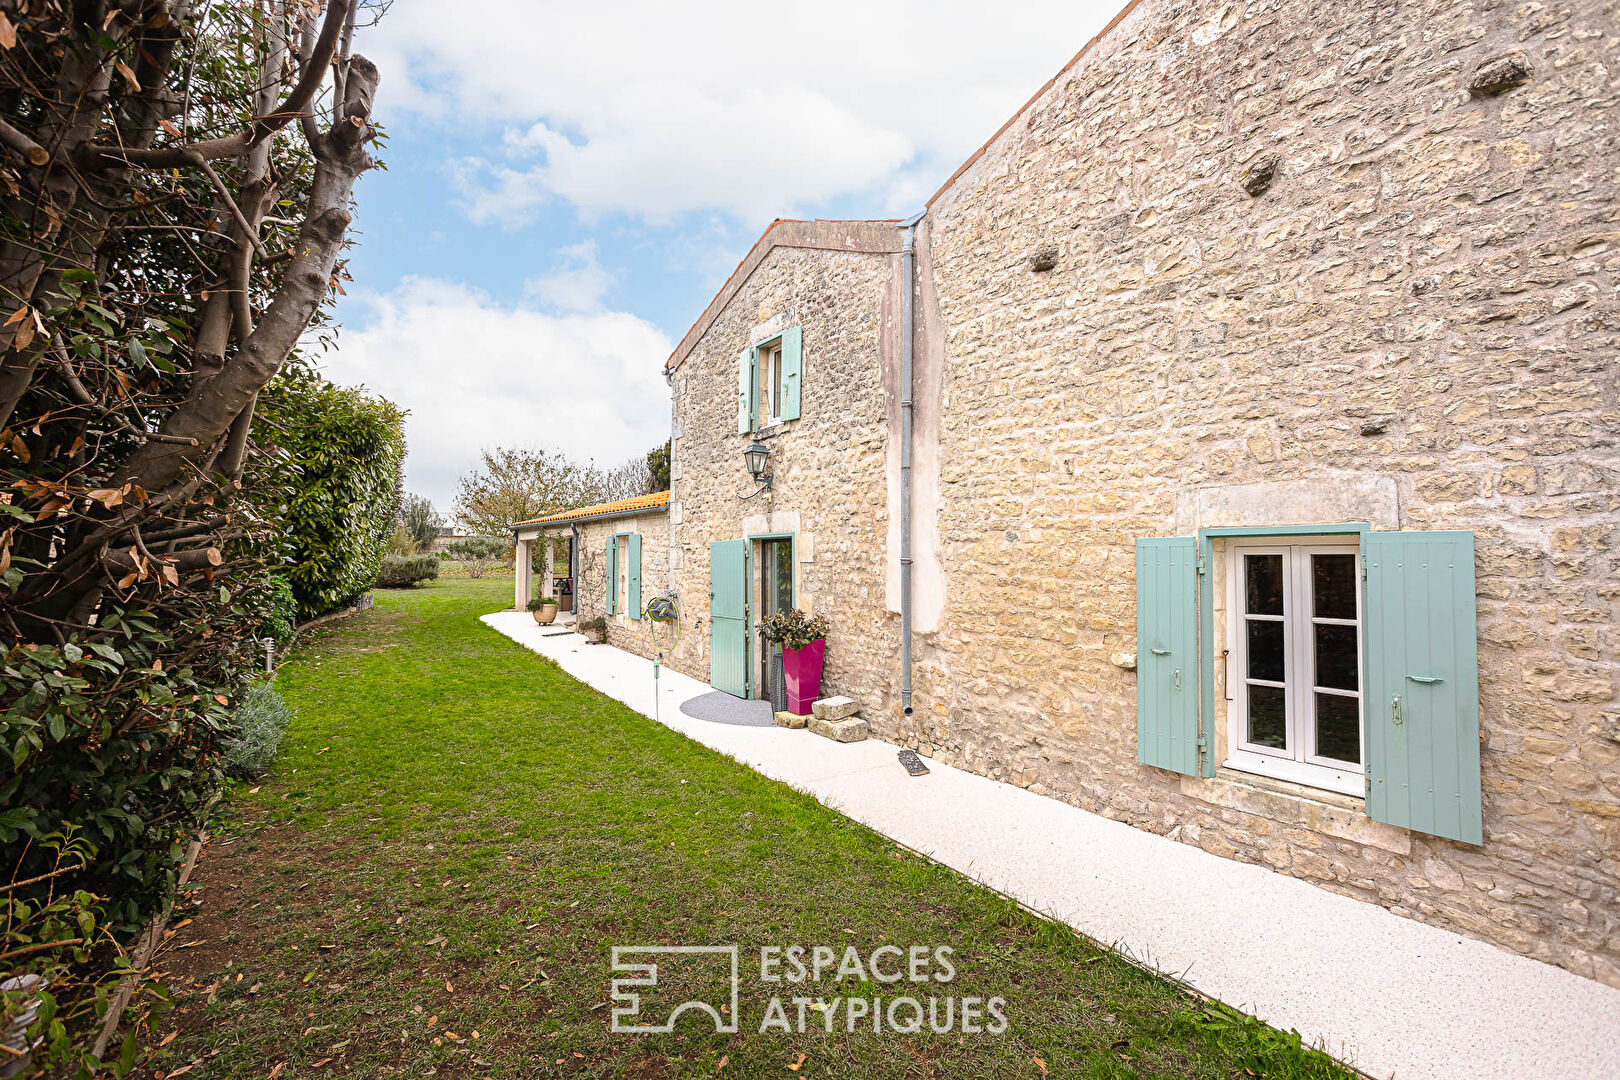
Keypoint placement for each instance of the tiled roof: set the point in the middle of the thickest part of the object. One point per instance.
(658, 500)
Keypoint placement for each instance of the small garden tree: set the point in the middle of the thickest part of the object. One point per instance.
(479, 553)
(658, 467)
(512, 485)
(417, 515)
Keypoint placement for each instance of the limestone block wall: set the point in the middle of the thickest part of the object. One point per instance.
(624, 630)
(829, 465)
(1266, 249)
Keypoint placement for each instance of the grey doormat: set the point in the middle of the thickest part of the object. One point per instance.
(721, 708)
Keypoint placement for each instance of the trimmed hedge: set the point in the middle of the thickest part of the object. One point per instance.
(347, 451)
(398, 571)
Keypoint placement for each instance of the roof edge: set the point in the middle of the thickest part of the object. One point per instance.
(974, 158)
(656, 503)
(878, 236)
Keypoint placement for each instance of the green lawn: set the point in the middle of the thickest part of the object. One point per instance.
(456, 833)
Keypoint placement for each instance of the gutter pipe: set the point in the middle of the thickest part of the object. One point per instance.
(908, 315)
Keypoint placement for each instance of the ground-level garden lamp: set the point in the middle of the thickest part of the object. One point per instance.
(758, 459)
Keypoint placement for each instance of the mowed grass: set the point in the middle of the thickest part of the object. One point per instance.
(457, 833)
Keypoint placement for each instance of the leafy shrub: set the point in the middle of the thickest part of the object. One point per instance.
(479, 553)
(399, 571)
(793, 629)
(538, 602)
(401, 542)
(281, 618)
(345, 451)
(595, 629)
(255, 731)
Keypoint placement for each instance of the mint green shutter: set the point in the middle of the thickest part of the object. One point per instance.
(728, 616)
(1421, 705)
(612, 575)
(632, 561)
(745, 391)
(1167, 653)
(792, 371)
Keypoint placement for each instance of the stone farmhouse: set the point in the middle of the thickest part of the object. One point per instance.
(1229, 448)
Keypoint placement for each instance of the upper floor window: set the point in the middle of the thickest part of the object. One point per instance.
(771, 389)
(770, 381)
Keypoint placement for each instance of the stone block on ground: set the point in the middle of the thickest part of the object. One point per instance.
(791, 719)
(852, 729)
(835, 708)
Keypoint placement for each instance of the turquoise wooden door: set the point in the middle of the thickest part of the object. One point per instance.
(728, 616)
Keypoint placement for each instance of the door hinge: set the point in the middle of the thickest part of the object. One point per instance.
(1202, 568)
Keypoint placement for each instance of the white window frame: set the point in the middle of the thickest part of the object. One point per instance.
(771, 370)
(1299, 762)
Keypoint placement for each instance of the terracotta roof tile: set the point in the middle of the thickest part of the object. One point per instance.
(656, 501)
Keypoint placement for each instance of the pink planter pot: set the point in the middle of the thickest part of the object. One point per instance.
(801, 672)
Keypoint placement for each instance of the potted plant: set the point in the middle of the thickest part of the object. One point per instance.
(544, 609)
(804, 645)
(594, 629)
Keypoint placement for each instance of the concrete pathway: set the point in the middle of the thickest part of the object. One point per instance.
(1391, 996)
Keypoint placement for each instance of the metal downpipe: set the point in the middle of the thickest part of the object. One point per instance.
(908, 282)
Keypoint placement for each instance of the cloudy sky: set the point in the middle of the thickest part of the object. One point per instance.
(569, 183)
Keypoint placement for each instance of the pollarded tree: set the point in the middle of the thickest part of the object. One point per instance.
(176, 183)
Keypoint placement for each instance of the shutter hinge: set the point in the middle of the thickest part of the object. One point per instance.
(1202, 568)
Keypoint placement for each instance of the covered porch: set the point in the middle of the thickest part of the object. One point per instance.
(553, 549)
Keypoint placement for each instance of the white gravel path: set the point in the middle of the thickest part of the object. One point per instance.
(1391, 996)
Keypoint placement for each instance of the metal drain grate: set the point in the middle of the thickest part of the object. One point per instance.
(914, 764)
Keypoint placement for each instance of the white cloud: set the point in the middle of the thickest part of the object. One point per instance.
(577, 284)
(752, 109)
(475, 374)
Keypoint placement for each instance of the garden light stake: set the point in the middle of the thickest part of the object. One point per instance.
(662, 610)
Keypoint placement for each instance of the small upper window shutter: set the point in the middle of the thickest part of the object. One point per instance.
(612, 575)
(632, 562)
(792, 371)
(1166, 653)
(745, 391)
(1421, 700)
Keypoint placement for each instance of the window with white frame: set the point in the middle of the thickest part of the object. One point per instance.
(1295, 680)
(770, 365)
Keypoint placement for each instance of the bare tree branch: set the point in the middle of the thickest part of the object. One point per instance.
(91, 157)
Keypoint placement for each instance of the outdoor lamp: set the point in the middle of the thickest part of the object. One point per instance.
(758, 459)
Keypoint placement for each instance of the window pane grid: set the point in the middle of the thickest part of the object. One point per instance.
(1299, 655)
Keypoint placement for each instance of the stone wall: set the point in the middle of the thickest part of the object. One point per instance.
(829, 489)
(624, 630)
(1238, 254)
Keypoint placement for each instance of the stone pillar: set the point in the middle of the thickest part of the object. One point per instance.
(521, 586)
(551, 555)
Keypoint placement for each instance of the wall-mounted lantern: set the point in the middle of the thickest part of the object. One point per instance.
(758, 459)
